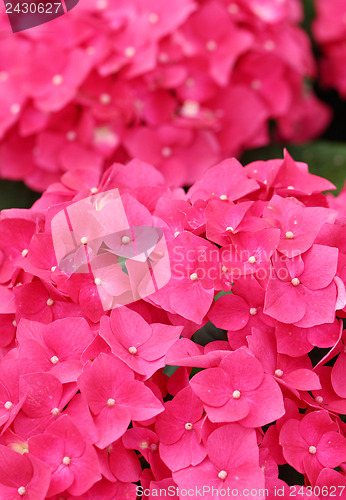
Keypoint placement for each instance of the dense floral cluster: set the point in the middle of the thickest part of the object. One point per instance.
(181, 85)
(329, 30)
(87, 408)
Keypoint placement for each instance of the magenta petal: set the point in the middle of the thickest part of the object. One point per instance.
(186, 451)
(111, 423)
(338, 375)
(265, 404)
(302, 379)
(295, 448)
(230, 312)
(283, 303)
(331, 450)
(86, 471)
(320, 264)
(138, 400)
(232, 445)
(212, 386)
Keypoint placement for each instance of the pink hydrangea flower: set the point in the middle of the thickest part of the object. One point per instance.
(239, 390)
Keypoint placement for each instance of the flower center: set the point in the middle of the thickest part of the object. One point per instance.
(222, 475)
(295, 282)
(236, 394)
(55, 412)
(313, 450)
(223, 197)
(66, 460)
(188, 426)
(166, 152)
(97, 281)
(54, 360)
(8, 405)
(278, 373)
(105, 98)
(211, 45)
(84, 240)
(130, 52)
(153, 18)
(50, 302)
(194, 276)
(133, 350)
(111, 402)
(319, 399)
(57, 80)
(253, 311)
(289, 235)
(230, 229)
(252, 259)
(21, 491)
(125, 240)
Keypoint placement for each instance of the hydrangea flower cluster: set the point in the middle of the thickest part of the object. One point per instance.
(87, 409)
(173, 84)
(329, 30)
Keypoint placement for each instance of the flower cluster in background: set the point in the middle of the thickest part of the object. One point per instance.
(87, 408)
(181, 85)
(329, 30)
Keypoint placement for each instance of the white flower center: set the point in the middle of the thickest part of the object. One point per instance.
(222, 475)
(278, 373)
(233, 8)
(166, 152)
(236, 394)
(25, 252)
(313, 450)
(153, 18)
(211, 45)
(133, 350)
(97, 281)
(111, 402)
(15, 108)
(50, 302)
(71, 135)
(125, 240)
(8, 405)
(253, 311)
(190, 109)
(188, 426)
(105, 98)
(102, 4)
(194, 276)
(319, 399)
(55, 412)
(223, 197)
(57, 80)
(252, 259)
(66, 460)
(295, 282)
(289, 235)
(21, 491)
(130, 52)
(54, 360)
(84, 240)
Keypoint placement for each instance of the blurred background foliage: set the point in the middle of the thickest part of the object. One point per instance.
(326, 157)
